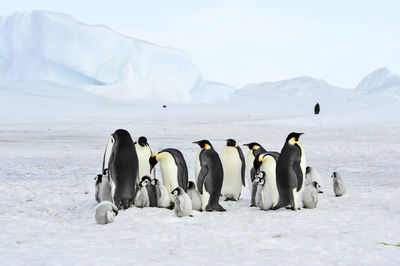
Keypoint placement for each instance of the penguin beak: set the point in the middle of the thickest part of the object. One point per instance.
(196, 142)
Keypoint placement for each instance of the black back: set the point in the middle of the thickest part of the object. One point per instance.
(243, 169)
(316, 109)
(182, 167)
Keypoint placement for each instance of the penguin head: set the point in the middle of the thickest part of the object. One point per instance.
(177, 191)
(335, 175)
(308, 169)
(98, 179)
(155, 182)
(143, 141)
(257, 162)
(231, 143)
(204, 144)
(261, 181)
(191, 185)
(146, 178)
(252, 145)
(121, 134)
(143, 183)
(115, 209)
(316, 185)
(293, 137)
(153, 161)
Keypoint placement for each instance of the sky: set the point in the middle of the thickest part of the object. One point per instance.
(242, 42)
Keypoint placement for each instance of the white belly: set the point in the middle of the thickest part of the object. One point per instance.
(264, 199)
(197, 167)
(269, 167)
(169, 173)
(249, 165)
(144, 154)
(205, 197)
(232, 165)
(107, 152)
(303, 169)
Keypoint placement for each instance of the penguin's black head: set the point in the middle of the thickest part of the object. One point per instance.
(177, 191)
(155, 182)
(115, 210)
(121, 134)
(252, 145)
(293, 137)
(143, 141)
(308, 169)
(204, 144)
(231, 143)
(98, 179)
(316, 185)
(261, 181)
(105, 171)
(144, 182)
(153, 161)
(191, 185)
(334, 174)
(257, 162)
(146, 177)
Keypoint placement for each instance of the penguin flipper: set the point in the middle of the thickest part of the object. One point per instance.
(243, 169)
(201, 178)
(299, 174)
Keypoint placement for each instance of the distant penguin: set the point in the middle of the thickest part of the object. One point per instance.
(173, 167)
(266, 163)
(144, 152)
(210, 177)
(105, 212)
(163, 200)
(311, 176)
(316, 109)
(234, 167)
(254, 150)
(338, 184)
(194, 196)
(263, 195)
(123, 166)
(290, 172)
(151, 191)
(309, 196)
(142, 196)
(183, 204)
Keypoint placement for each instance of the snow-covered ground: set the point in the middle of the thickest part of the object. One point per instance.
(51, 149)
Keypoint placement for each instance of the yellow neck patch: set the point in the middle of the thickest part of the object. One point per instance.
(206, 146)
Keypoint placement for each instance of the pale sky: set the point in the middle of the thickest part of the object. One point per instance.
(241, 42)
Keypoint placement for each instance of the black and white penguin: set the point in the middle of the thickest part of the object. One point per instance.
(234, 168)
(98, 179)
(163, 200)
(338, 184)
(143, 151)
(316, 109)
(182, 203)
(290, 172)
(266, 162)
(263, 195)
(194, 196)
(210, 177)
(254, 150)
(123, 166)
(151, 191)
(309, 197)
(173, 167)
(142, 197)
(105, 212)
(103, 188)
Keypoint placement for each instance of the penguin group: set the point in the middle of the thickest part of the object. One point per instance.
(274, 179)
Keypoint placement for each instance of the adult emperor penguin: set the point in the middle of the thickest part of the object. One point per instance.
(210, 177)
(123, 166)
(254, 150)
(266, 163)
(290, 172)
(163, 200)
(234, 167)
(173, 169)
(105, 212)
(144, 152)
(182, 203)
(194, 196)
(263, 195)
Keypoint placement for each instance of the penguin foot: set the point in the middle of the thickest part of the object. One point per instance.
(253, 205)
(217, 208)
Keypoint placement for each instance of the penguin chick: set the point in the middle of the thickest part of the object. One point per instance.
(194, 196)
(263, 195)
(98, 179)
(105, 212)
(183, 204)
(163, 200)
(309, 196)
(311, 176)
(142, 197)
(338, 184)
(151, 191)
(254, 187)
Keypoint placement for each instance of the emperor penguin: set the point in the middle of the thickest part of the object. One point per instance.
(254, 150)
(151, 191)
(183, 205)
(234, 167)
(317, 109)
(123, 165)
(338, 184)
(142, 197)
(105, 212)
(290, 172)
(263, 195)
(311, 176)
(309, 196)
(194, 196)
(163, 200)
(210, 177)
(144, 152)
(173, 166)
(266, 163)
